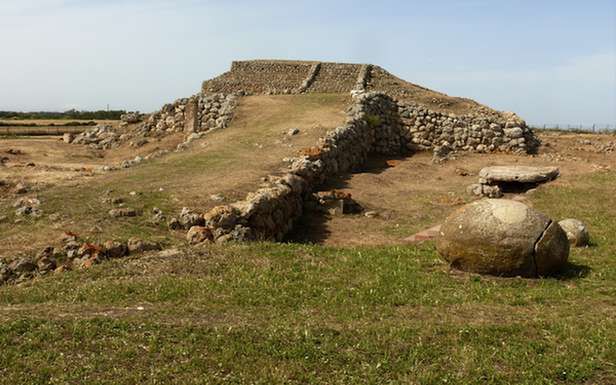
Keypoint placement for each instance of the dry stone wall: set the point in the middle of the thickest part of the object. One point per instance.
(372, 126)
(362, 79)
(426, 130)
(376, 124)
(195, 114)
(472, 127)
(260, 77)
(336, 78)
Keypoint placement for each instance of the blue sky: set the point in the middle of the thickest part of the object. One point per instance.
(549, 61)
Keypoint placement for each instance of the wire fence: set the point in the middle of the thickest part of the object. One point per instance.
(595, 127)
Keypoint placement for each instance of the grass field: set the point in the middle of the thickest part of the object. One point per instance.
(300, 314)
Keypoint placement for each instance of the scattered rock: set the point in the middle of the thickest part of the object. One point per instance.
(21, 188)
(174, 224)
(27, 207)
(502, 237)
(337, 202)
(122, 212)
(169, 253)
(462, 172)
(68, 137)
(441, 153)
(199, 234)
(136, 245)
(483, 190)
(158, 216)
(189, 218)
(576, 231)
(68, 237)
(139, 143)
(293, 132)
(22, 265)
(131, 117)
(46, 263)
(115, 249)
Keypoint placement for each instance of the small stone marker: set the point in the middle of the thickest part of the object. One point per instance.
(576, 231)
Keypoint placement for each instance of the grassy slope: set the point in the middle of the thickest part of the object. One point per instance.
(271, 313)
(231, 163)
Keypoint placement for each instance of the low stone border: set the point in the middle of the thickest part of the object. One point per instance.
(73, 254)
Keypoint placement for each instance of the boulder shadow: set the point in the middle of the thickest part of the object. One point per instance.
(572, 271)
(311, 227)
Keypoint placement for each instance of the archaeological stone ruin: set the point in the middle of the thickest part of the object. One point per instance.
(387, 116)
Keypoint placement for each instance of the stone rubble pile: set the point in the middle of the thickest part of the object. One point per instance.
(132, 117)
(28, 207)
(101, 137)
(72, 254)
(193, 116)
(198, 113)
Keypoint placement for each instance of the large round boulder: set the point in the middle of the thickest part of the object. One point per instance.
(502, 237)
(576, 232)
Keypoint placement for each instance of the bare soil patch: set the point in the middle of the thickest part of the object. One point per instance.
(412, 194)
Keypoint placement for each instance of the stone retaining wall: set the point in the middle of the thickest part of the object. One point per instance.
(336, 78)
(425, 130)
(195, 114)
(260, 77)
(376, 124)
(373, 126)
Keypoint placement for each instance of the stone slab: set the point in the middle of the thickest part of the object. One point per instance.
(517, 174)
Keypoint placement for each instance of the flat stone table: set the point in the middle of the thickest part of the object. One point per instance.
(517, 174)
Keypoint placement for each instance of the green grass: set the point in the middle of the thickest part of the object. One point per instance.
(285, 313)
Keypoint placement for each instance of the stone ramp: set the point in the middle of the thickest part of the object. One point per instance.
(260, 77)
(335, 78)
